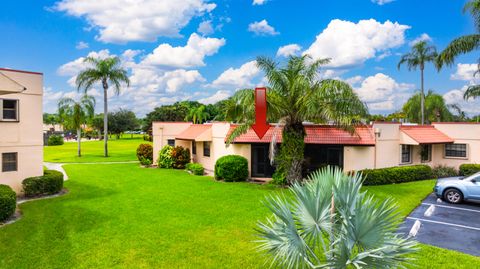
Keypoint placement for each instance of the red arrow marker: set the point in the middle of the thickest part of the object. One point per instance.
(261, 126)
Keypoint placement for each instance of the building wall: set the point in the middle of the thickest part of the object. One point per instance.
(25, 136)
(162, 132)
(358, 158)
(387, 147)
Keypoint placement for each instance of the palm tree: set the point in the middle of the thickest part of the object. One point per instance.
(328, 222)
(295, 95)
(107, 71)
(197, 114)
(421, 54)
(76, 113)
(435, 108)
(463, 45)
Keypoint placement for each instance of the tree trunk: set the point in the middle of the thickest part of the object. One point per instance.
(292, 151)
(422, 97)
(105, 116)
(79, 138)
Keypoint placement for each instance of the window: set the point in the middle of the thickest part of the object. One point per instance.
(9, 161)
(8, 110)
(406, 153)
(426, 153)
(456, 150)
(194, 147)
(206, 149)
(171, 142)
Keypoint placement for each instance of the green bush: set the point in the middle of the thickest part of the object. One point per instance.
(279, 178)
(195, 168)
(468, 169)
(145, 153)
(231, 168)
(181, 156)
(8, 202)
(144, 161)
(165, 159)
(55, 140)
(441, 171)
(50, 183)
(396, 174)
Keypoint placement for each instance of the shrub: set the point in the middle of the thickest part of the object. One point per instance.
(442, 171)
(231, 168)
(55, 140)
(279, 178)
(144, 161)
(8, 202)
(181, 156)
(165, 159)
(396, 174)
(145, 153)
(195, 168)
(50, 183)
(468, 169)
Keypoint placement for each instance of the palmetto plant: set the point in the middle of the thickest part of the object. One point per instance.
(296, 94)
(464, 44)
(328, 222)
(197, 114)
(421, 54)
(76, 113)
(435, 108)
(108, 72)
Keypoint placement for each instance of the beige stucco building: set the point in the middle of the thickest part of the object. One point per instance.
(21, 126)
(377, 145)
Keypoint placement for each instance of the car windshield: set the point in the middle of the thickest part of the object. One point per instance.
(475, 176)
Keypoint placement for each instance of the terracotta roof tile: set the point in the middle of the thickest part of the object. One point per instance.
(316, 134)
(426, 134)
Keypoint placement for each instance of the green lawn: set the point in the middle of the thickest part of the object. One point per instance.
(92, 151)
(121, 215)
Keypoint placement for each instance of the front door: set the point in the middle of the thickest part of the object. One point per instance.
(260, 161)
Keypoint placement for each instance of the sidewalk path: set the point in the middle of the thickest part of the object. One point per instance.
(59, 166)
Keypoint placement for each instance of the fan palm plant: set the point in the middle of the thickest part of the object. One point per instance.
(197, 114)
(108, 72)
(295, 95)
(463, 45)
(328, 222)
(76, 113)
(435, 108)
(421, 54)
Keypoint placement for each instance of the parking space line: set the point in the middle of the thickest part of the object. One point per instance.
(429, 211)
(445, 223)
(453, 207)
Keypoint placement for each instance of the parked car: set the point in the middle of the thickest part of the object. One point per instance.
(457, 189)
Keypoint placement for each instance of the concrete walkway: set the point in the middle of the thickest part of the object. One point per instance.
(59, 166)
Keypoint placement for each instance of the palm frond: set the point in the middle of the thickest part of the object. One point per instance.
(472, 91)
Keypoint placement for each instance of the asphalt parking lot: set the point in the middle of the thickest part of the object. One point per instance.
(438, 223)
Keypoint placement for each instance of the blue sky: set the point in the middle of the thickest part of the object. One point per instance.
(205, 50)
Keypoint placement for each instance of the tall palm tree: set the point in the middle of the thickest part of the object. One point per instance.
(76, 113)
(108, 72)
(463, 45)
(197, 114)
(435, 108)
(328, 222)
(295, 95)
(421, 54)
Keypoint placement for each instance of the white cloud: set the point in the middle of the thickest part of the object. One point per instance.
(348, 43)
(190, 55)
(382, 93)
(288, 50)
(218, 96)
(354, 81)
(205, 28)
(122, 21)
(237, 78)
(422, 37)
(382, 2)
(262, 28)
(72, 68)
(465, 72)
(259, 2)
(455, 96)
(81, 45)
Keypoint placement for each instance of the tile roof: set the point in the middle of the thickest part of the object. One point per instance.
(316, 134)
(426, 134)
(198, 132)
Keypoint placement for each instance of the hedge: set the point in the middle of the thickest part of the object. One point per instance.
(55, 140)
(145, 154)
(231, 168)
(8, 202)
(468, 169)
(443, 171)
(396, 174)
(195, 168)
(50, 183)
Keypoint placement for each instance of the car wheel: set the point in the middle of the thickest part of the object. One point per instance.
(453, 196)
